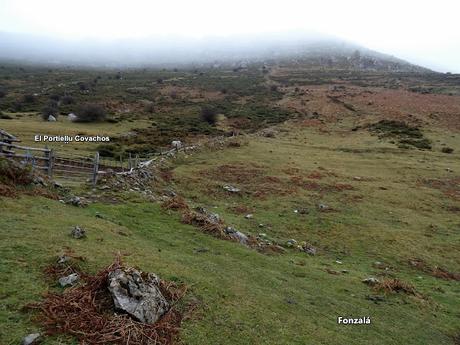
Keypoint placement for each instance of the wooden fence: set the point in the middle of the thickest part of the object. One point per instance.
(72, 167)
(61, 166)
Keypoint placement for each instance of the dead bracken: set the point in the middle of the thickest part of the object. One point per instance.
(395, 285)
(87, 312)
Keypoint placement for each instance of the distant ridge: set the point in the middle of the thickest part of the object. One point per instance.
(297, 48)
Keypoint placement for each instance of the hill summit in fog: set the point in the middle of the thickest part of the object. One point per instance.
(314, 51)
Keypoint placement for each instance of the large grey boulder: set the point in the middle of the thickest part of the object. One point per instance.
(51, 118)
(137, 294)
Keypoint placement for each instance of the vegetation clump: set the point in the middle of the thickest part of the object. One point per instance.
(88, 313)
(50, 109)
(91, 112)
(405, 134)
(209, 114)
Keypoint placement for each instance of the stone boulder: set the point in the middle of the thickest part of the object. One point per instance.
(72, 117)
(31, 339)
(137, 294)
(69, 280)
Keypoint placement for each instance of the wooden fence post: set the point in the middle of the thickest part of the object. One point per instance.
(50, 156)
(95, 168)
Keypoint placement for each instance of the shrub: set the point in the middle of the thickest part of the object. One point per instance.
(67, 100)
(2, 93)
(173, 94)
(13, 173)
(50, 109)
(209, 114)
(5, 116)
(82, 86)
(17, 106)
(55, 97)
(28, 98)
(90, 112)
(149, 107)
(447, 150)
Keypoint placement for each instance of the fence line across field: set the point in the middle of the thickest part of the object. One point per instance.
(69, 166)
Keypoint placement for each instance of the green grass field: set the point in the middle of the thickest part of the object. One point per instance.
(382, 208)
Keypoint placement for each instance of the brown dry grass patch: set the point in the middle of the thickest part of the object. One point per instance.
(450, 187)
(395, 286)
(175, 203)
(436, 271)
(203, 222)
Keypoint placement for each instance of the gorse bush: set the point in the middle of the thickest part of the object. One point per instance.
(28, 98)
(209, 114)
(50, 109)
(65, 100)
(13, 173)
(90, 112)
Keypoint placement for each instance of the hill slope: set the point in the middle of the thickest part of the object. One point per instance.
(314, 50)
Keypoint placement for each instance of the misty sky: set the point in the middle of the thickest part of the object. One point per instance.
(422, 32)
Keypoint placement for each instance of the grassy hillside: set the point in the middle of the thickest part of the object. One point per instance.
(385, 206)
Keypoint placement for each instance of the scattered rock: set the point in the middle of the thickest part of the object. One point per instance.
(63, 259)
(242, 238)
(78, 232)
(51, 118)
(238, 235)
(309, 249)
(201, 250)
(212, 217)
(176, 144)
(38, 180)
(290, 301)
(371, 281)
(76, 201)
(375, 298)
(231, 189)
(58, 185)
(31, 339)
(137, 294)
(69, 280)
(291, 243)
(72, 117)
(229, 230)
(328, 270)
(249, 216)
(323, 207)
(268, 133)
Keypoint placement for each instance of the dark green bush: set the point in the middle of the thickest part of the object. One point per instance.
(50, 109)
(209, 114)
(90, 112)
